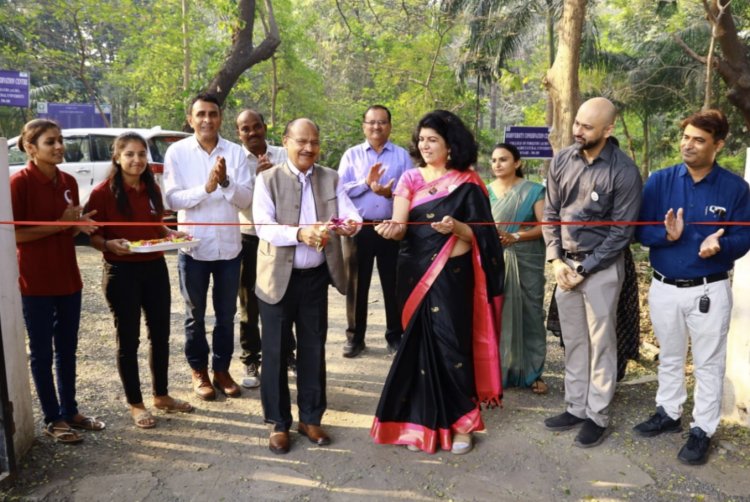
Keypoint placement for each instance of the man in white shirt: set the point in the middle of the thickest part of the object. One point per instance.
(207, 180)
(301, 210)
(251, 131)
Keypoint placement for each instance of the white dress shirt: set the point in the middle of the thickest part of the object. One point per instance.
(187, 167)
(276, 155)
(264, 214)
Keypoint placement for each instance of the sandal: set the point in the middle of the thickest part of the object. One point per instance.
(413, 447)
(177, 406)
(62, 434)
(539, 387)
(144, 420)
(87, 423)
(462, 444)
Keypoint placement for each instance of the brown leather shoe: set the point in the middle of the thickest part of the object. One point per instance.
(314, 433)
(279, 442)
(223, 381)
(202, 385)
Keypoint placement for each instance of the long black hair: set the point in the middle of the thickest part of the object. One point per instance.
(117, 185)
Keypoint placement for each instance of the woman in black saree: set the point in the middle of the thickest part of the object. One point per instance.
(449, 281)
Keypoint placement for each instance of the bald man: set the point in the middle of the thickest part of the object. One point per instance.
(591, 180)
(301, 211)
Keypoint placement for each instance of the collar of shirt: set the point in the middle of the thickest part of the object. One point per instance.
(220, 145)
(387, 146)
(710, 178)
(605, 154)
(297, 172)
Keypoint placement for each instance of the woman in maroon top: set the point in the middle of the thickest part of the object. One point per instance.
(48, 276)
(136, 281)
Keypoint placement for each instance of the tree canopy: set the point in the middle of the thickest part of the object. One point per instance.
(487, 60)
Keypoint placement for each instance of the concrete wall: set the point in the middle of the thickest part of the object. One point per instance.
(14, 332)
(736, 399)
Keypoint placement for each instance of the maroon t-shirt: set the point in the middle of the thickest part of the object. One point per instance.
(47, 266)
(103, 200)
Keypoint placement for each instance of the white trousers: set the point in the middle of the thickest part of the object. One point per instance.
(675, 316)
(588, 317)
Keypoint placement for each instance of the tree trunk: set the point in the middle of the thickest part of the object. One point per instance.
(243, 54)
(185, 46)
(561, 80)
(493, 106)
(734, 64)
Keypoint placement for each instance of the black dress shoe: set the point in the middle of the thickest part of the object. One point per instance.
(279, 442)
(314, 433)
(562, 422)
(695, 451)
(658, 423)
(590, 434)
(352, 349)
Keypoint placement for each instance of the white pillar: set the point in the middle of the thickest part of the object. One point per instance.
(14, 332)
(736, 398)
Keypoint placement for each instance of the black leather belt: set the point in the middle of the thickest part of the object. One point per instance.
(579, 256)
(691, 283)
(308, 271)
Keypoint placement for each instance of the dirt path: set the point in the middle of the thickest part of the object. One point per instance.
(220, 452)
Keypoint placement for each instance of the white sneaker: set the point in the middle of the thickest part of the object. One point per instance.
(251, 379)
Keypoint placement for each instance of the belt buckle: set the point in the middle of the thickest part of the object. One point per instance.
(683, 283)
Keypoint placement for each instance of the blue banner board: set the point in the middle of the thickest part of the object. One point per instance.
(74, 115)
(14, 88)
(532, 142)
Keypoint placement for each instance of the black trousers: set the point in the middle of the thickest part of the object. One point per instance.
(304, 306)
(130, 287)
(360, 253)
(249, 312)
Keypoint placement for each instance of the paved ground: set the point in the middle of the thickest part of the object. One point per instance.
(220, 452)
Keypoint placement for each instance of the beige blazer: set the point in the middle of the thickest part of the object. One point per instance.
(275, 263)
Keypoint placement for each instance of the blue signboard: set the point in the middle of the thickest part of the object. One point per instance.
(532, 142)
(73, 115)
(14, 88)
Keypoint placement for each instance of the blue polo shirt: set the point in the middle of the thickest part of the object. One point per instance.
(720, 196)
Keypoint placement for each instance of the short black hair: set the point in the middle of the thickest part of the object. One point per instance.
(378, 107)
(712, 121)
(459, 140)
(204, 96)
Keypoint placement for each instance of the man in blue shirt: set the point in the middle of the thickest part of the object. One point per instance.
(690, 293)
(369, 172)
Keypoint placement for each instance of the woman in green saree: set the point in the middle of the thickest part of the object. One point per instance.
(523, 344)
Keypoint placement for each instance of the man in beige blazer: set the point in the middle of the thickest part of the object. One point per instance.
(300, 209)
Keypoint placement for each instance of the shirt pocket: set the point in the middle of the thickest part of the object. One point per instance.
(598, 204)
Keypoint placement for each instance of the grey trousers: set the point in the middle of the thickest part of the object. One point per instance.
(588, 317)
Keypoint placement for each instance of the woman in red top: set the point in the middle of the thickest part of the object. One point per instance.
(48, 275)
(136, 281)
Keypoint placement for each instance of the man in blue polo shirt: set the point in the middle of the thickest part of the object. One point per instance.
(690, 292)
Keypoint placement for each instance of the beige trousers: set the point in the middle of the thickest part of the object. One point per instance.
(588, 317)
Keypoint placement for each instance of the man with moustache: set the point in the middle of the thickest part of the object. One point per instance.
(301, 210)
(690, 294)
(251, 131)
(369, 172)
(207, 180)
(591, 180)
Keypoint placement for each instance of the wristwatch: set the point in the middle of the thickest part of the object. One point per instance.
(581, 271)
(516, 236)
(224, 183)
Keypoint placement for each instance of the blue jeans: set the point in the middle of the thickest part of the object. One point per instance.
(194, 279)
(52, 321)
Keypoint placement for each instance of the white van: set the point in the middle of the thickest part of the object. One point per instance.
(88, 154)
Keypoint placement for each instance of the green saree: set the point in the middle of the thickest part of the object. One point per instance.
(523, 339)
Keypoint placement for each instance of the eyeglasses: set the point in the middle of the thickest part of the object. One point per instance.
(376, 122)
(304, 142)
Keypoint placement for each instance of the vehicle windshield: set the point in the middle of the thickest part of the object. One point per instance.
(159, 145)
